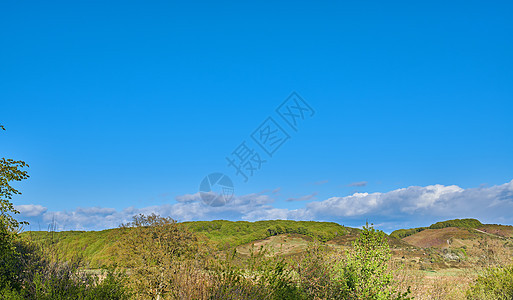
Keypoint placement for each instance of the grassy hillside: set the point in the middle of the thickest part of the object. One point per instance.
(97, 248)
(232, 234)
(451, 252)
(457, 223)
(439, 238)
(469, 236)
(466, 243)
(499, 230)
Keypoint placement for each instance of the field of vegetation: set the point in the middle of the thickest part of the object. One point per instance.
(157, 258)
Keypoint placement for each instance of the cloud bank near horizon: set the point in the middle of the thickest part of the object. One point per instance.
(402, 207)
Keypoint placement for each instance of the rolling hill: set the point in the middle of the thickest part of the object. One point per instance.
(448, 244)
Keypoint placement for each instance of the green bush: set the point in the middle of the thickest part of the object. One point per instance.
(263, 276)
(365, 272)
(27, 272)
(9, 265)
(495, 283)
(9, 293)
(68, 283)
(317, 274)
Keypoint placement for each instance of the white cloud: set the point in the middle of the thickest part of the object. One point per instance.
(188, 208)
(31, 210)
(187, 198)
(402, 206)
(434, 201)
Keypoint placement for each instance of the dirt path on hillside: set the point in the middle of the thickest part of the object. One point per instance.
(490, 234)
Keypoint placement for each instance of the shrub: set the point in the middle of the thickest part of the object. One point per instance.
(9, 265)
(35, 274)
(317, 274)
(495, 283)
(263, 276)
(156, 250)
(365, 273)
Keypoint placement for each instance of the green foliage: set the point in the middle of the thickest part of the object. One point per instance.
(165, 260)
(66, 282)
(317, 274)
(365, 272)
(495, 283)
(402, 233)
(232, 234)
(321, 273)
(8, 261)
(10, 170)
(263, 276)
(463, 223)
(9, 293)
(155, 249)
(35, 273)
(361, 274)
(99, 248)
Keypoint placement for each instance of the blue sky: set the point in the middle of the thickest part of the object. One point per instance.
(125, 107)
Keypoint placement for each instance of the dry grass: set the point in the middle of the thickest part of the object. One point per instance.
(438, 238)
(284, 244)
(443, 284)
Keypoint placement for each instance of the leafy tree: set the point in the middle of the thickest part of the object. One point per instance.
(10, 170)
(154, 249)
(365, 272)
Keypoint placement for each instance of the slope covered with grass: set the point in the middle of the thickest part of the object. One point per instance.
(232, 234)
(457, 223)
(99, 248)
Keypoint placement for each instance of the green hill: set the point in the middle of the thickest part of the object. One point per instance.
(232, 234)
(458, 223)
(100, 248)
(97, 248)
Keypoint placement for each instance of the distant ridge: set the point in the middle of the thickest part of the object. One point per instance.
(458, 223)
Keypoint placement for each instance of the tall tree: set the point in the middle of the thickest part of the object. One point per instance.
(155, 248)
(10, 170)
